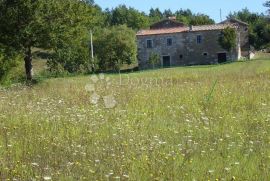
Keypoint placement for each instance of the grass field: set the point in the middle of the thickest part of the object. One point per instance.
(186, 123)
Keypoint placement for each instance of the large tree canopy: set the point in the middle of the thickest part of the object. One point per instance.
(63, 26)
(25, 24)
(131, 17)
(259, 28)
(114, 47)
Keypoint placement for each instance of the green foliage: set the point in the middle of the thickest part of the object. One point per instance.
(260, 35)
(13, 70)
(154, 59)
(130, 17)
(9, 59)
(183, 16)
(267, 4)
(188, 18)
(155, 15)
(227, 39)
(57, 25)
(201, 19)
(161, 129)
(20, 26)
(70, 41)
(246, 16)
(258, 27)
(70, 58)
(114, 47)
(167, 13)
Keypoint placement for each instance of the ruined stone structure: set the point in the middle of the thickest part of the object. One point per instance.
(178, 45)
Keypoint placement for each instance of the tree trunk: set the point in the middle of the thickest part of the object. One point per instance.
(28, 64)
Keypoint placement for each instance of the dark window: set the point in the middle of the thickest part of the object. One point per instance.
(169, 42)
(205, 54)
(181, 56)
(149, 44)
(199, 39)
(246, 29)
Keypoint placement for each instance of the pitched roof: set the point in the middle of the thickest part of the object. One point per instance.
(183, 29)
(167, 23)
(211, 27)
(162, 31)
(233, 20)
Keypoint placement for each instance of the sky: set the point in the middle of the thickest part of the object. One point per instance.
(209, 7)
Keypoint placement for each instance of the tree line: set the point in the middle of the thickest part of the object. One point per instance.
(62, 27)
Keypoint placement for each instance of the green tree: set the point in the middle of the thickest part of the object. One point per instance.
(70, 38)
(9, 59)
(260, 35)
(246, 16)
(21, 28)
(131, 17)
(154, 59)
(155, 15)
(188, 18)
(25, 24)
(201, 19)
(267, 4)
(114, 47)
(258, 27)
(167, 13)
(227, 39)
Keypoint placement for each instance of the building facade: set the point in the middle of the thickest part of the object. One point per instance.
(177, 45)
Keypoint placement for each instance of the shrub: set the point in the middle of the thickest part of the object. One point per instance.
(114, 47)
(154, 59)
(70, 58)
(227, 40)
(11, 68)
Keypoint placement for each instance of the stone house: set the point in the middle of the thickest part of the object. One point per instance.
(177, 45)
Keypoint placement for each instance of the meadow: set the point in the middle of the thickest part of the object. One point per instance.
(186, 123)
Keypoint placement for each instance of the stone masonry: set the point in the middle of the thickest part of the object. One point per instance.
(181, 45)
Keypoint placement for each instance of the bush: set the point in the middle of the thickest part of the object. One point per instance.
(11, 66)
(114, 47)
(154, 59)
(70, 59)
(227, 40)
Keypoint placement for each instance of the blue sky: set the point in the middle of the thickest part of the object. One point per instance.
(209, 7)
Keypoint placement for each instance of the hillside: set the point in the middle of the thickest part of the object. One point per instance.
(186, 123)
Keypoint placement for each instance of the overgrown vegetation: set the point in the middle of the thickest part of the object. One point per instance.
(154, 59)
(192, 123)
(114, 47)
(227, 39)
(259, 27)
(63, 26)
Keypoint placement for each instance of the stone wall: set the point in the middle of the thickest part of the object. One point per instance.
(244, 40)
(244, 35)
(184, 50)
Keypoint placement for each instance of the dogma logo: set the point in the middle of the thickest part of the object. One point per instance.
(99, 89)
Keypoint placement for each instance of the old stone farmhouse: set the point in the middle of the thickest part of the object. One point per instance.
(176, 44)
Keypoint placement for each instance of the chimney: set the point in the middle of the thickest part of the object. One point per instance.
(190, 27)
(172, 18)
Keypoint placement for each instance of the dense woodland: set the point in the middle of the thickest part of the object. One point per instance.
(62, 27)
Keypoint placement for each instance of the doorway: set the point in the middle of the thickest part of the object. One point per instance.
(222, 57)
(166, 61)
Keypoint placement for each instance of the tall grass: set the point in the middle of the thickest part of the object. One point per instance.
(189, 123)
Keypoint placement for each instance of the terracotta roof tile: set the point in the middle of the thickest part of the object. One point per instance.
(183, 29)
(162, 31)
(211, 27)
